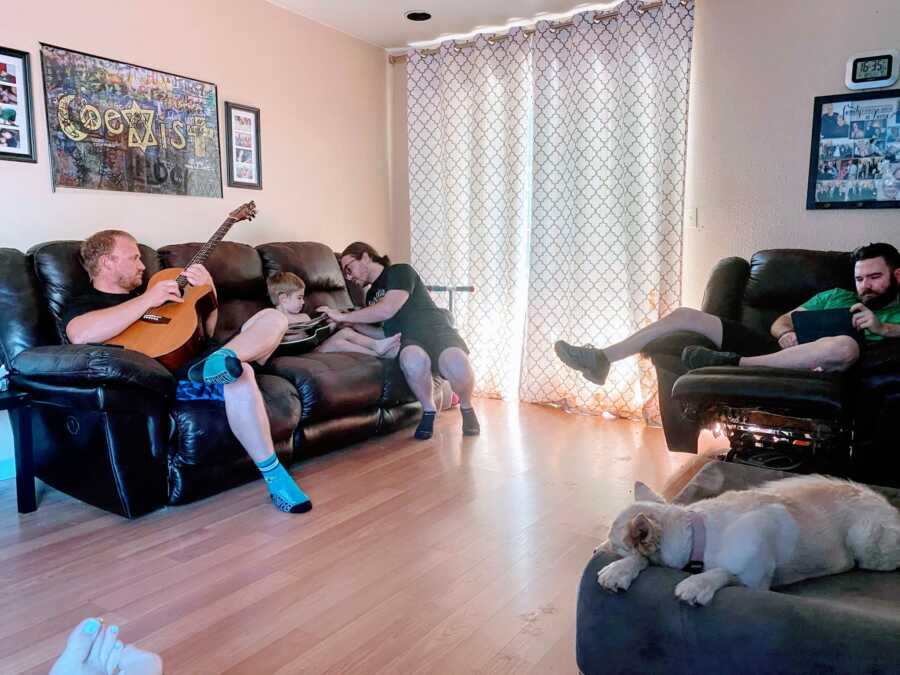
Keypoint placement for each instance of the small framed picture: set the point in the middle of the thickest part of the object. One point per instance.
(242, 137)
(16, 117)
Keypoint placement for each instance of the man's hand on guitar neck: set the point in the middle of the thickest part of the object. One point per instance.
(198, 275)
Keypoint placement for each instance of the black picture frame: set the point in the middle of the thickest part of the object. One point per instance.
(243, 146)
(16, 118)
(854, 160)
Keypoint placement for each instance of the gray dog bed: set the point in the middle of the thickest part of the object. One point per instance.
(845, 623)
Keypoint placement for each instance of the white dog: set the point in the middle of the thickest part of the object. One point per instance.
(779, 533)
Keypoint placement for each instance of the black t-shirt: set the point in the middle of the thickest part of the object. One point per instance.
(418, 314)
(90, 302)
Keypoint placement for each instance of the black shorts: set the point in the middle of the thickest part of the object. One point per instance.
(746, 341)
(434, 343)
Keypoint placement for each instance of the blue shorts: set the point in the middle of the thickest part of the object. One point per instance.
(192, 391)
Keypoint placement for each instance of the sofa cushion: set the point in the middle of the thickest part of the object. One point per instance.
(395, 390)
(315, 264)
(238, 274)
(332, 385)
(57, 266)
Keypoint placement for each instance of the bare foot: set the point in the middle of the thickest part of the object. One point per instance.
(74, 658)
(94, 650)
(389, 347)
(138, 662)
(393, 351)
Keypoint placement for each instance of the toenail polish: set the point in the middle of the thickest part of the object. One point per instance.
(92, 626)
(113, 629)
(118, 644)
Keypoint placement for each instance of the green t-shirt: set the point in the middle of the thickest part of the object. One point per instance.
(838, 298)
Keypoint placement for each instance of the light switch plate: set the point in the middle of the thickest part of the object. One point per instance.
(691, 218)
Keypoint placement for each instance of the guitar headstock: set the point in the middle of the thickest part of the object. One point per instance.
(244, 212)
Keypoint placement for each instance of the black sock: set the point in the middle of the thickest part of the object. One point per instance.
(426, 426)
(470, 422)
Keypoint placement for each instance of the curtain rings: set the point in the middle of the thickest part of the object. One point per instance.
(561, 26)
(600, 17)
(656, 4)
(647, 6)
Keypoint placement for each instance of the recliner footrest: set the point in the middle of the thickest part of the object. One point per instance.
(802, 393)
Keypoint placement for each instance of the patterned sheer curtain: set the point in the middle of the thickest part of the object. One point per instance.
(469, 181)
(610, 126)
(547, 170)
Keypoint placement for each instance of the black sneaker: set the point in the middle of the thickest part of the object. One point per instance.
(590, 362)
(694, 357)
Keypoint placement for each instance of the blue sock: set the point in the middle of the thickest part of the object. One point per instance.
(286, 494)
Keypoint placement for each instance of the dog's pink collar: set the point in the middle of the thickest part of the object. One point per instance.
(698, 531)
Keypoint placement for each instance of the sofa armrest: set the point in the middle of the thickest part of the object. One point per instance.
(91, 366)
(725, 288)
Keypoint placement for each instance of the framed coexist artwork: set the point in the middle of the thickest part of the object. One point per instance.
(855, 158)
(243, 147)
(16, 117)
(117, 126)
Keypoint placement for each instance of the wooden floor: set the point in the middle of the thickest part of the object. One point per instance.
(448, 556)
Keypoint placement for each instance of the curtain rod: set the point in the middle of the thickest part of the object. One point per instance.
(494, 38)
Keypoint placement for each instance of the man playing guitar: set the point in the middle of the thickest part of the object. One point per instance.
(222, 372)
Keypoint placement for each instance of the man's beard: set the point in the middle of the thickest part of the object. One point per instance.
(132, 282)
(882, 300)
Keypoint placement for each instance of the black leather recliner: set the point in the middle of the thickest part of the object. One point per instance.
(845, 423)
(107, 429)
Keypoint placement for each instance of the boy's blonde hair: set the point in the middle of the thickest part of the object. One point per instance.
(283, 282)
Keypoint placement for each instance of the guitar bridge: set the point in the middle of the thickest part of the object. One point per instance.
(155, 318)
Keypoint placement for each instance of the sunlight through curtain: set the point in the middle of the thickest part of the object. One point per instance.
(548, 171)
(469, 180)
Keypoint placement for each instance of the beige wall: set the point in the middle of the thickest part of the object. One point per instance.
(757, 66)
(398, 160)
(323, 103)
(323, 108)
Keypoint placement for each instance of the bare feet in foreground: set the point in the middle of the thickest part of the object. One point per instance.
(93, 649)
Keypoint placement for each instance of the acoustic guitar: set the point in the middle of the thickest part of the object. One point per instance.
(172, 333)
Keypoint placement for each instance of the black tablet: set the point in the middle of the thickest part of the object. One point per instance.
(818, 323)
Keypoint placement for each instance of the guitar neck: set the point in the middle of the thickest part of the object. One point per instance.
(207, 248)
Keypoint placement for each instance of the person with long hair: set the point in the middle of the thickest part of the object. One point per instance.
(398, 300)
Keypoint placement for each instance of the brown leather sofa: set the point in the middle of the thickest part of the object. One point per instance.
(106, 427)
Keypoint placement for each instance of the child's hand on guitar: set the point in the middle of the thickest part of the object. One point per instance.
(198, 275)
(163, 292)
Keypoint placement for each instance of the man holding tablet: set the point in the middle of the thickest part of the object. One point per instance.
(873, 313)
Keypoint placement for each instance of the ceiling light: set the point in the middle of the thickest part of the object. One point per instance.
(417, 15)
